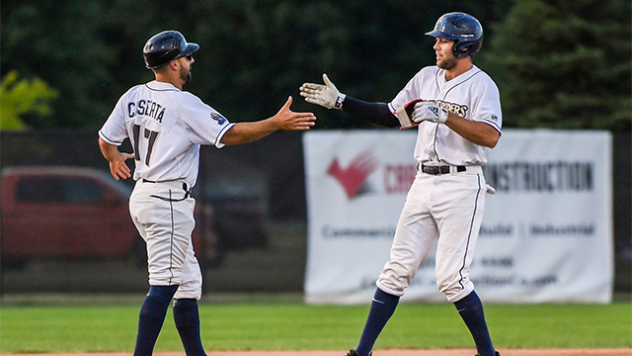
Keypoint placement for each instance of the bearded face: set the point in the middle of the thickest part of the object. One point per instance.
(185, 75)
(444, 56)
(447, 62)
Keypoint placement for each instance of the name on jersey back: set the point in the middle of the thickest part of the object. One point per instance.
(146, 108)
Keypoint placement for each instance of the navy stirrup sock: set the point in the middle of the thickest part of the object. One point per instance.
(187, 318)
(152, 316)
(471, 310)
(382, 308)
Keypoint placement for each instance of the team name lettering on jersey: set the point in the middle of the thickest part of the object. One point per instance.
(456, 109)
(147, 108)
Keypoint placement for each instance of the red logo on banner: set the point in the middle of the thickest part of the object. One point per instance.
(353, 178)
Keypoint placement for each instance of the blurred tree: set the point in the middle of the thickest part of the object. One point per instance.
(564, 64)
(58, 42)
(20, 97)
(256, 53)
(253, 53)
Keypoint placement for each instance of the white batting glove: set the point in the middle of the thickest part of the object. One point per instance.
(427, 111)
(417, 111)
(324, 95)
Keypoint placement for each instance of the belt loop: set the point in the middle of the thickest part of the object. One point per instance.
(186, 190)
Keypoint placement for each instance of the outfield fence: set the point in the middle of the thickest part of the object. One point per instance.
(253, 231)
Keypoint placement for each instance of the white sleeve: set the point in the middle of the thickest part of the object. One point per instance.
(487, 107)
(114, 131)
(412, 90)
(206, 125)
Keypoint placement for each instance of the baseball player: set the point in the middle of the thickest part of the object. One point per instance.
(166, 127)
(456, 109)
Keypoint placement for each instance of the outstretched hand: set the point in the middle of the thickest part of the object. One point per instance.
(326, 95)
(289, 120)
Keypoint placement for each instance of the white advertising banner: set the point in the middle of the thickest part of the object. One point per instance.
(546, 233)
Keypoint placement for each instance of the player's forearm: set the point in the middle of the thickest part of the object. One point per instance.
(377, 113)
(476, 132)
(109, 151)
(244, 132)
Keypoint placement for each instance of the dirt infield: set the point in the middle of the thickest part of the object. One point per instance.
(454, 352)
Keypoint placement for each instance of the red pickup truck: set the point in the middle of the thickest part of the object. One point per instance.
(76, 212)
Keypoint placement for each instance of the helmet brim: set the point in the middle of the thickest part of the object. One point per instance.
(439, 34)
(190, 48)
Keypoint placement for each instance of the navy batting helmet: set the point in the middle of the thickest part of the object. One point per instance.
(165, 47)
(462, 28)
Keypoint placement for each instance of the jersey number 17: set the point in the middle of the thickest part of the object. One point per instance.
(151, 137)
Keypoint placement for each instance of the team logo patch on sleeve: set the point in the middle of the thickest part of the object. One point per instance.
(219, 118)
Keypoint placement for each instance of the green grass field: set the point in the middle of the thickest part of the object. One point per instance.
(296, 326)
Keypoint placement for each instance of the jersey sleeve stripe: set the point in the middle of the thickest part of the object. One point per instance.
(493, 124)
(218, 141)
(106, 139)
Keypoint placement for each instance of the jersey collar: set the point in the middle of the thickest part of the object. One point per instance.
(459, 78)
(156, 85)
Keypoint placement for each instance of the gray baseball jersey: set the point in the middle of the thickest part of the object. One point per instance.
(166, 127)
(472, 95)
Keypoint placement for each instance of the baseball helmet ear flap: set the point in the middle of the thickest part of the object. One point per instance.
(166, 46)
(463, 49)
(462, 28)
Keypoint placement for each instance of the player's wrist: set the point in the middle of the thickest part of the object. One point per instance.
(443, 115)
(340, 98)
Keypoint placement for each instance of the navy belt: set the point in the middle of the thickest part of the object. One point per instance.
(185, 187)
(437, 170)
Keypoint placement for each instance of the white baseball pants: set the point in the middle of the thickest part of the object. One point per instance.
(449, 206)
(165, 221)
